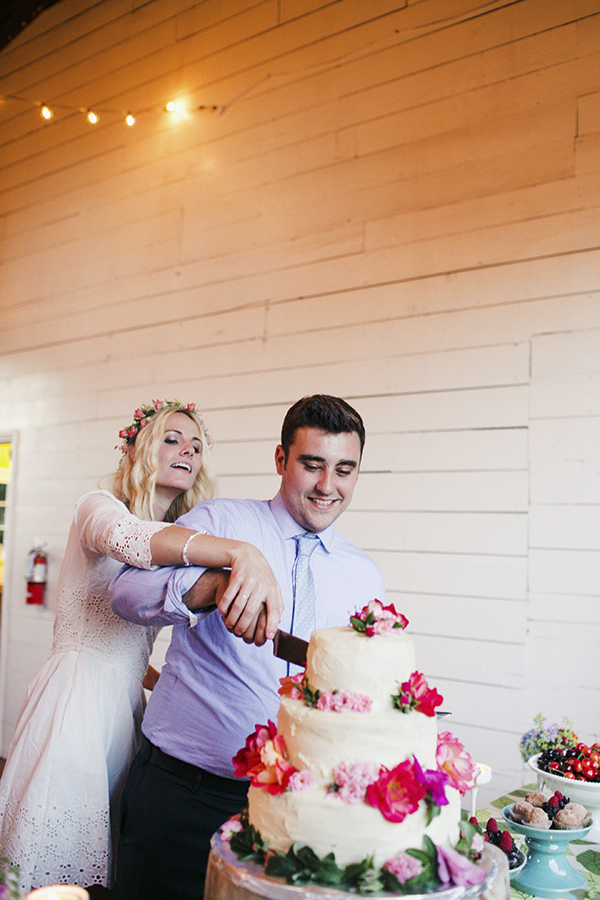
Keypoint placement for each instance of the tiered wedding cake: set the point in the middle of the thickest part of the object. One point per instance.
(355, 767)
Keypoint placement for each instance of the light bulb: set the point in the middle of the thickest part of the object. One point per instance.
(45, 112)
(171, 106)
(92, 117)
(130, 119)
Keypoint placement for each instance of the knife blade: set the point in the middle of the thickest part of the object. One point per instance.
(289, 647)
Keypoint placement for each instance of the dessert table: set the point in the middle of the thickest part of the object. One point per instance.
(583, 855)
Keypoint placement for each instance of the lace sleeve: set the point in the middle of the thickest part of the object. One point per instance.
(107, 528)
(130, 538)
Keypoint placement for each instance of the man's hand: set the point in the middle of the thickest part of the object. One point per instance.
(248, 597)
(251, 605)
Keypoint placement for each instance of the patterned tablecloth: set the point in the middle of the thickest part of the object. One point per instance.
(583, 855)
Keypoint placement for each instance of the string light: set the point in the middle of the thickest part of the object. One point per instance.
(174, 107)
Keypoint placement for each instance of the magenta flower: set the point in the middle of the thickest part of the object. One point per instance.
(397, 792)
(416, 694)
(454, 868)
(434, 783)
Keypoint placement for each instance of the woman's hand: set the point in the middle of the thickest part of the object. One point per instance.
(251, 605)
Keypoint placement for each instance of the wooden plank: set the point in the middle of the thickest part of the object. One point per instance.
(480, 618)
(460, 575)
(588, 114)
(569, 482)
(478, 108)
(565, 396)
(564, 571)
(569, 353)
(458, 658)
(558, 445)
(562, 608)
(564, 527)
(504, 534)
(443, 491)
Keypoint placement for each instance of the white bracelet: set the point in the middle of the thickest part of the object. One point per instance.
(184, 556)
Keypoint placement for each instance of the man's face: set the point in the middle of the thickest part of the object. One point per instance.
(318, 479)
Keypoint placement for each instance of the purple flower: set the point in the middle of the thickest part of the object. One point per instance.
(433, 781)
(455, 868)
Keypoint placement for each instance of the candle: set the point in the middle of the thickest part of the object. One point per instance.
(59, 892)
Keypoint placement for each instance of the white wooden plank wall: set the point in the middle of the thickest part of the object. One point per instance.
(398, 203)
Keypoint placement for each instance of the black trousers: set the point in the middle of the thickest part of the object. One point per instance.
(169, 812)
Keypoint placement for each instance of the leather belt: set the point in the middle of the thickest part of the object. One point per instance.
(191, 773)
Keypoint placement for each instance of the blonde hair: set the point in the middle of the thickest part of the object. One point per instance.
(134, 482)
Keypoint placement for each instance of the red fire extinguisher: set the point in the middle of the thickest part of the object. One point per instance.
(37, 574)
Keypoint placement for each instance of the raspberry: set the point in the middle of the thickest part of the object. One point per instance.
(506, 842)
(473, 820)
(492, 825)
(486, 836)
(558, 796)
(553, 801)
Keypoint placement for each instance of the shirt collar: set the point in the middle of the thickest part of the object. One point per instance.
(290, 528)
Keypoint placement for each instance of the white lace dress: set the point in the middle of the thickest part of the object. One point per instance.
(79, 726)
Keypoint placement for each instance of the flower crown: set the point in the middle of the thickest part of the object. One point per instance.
(143, 414)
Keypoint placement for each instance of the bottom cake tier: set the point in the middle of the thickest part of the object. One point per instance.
(322, 821)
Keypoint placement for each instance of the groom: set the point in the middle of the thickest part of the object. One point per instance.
(214, 689)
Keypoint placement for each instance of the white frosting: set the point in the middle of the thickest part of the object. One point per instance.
(318, 740)
(342, 659)
(328, 825)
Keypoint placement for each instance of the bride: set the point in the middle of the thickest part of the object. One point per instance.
(79, 727)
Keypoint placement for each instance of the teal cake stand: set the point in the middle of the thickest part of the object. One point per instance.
(547, 872)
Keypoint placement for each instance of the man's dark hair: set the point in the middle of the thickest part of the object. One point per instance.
(322, 411)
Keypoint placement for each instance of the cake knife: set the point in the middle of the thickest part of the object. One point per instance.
(292, 649)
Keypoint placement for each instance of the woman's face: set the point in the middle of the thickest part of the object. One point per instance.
(179, 456)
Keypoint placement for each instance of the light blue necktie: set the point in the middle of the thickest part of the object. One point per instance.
(303, 585)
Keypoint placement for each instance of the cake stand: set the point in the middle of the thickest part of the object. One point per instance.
(228, 877)
(547, 872)
(585, 792)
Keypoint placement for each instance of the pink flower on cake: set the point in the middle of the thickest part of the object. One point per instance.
(300, 780)
(455, 761)
(375, 618)
(248, 758)
(416, 694)
(291, 686)
(264, 760)
(232, 826)
(343, 701)
(457, 869)
(404, 866)
(350, 781)
(397, 792)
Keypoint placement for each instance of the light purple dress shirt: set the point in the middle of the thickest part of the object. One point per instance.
(214, 688)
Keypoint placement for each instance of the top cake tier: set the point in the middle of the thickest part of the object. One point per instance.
(341, 659)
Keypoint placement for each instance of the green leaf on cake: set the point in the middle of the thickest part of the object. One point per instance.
(248, 844)
(301, 865)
